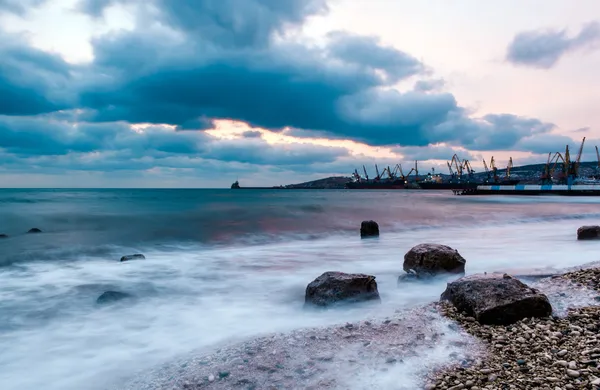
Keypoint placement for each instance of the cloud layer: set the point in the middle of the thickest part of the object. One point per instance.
(190, 62)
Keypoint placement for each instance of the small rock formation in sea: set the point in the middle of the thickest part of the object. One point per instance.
(427, 260)
(112, 296)
(588, 233)
(496, 299)
(3, 236)
(137, 256)
(34, 230)
(337, 287)
(369, 229)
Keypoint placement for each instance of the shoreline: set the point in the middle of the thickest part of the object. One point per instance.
(558, 352)
(408, 350)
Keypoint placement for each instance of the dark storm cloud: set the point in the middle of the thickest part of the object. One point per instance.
(544, 48)
(32, 81)
(339, 90)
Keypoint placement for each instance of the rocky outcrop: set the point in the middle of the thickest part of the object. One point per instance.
(369, 229)
(137, 256)
(34, 230)
(588, 233)
(333, 288)
(112, 296)
(425, 260)
(496, 299)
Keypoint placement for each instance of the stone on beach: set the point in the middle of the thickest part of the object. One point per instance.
(337, 287)
(112, 296)
(369, 229)
(588, 233)
(137, 256)
(496, 299)
(427, 260)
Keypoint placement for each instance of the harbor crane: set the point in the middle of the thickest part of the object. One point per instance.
(573, 166)
(509, 167)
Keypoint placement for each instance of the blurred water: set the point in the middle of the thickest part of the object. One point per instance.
(224, 266)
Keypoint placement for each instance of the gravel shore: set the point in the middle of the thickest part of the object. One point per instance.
(554, 353)
(432, 346)
(394, 353)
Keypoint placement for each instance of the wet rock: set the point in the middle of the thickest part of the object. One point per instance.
(34, 230)
(408, 277)
(496, 299)
(337, 287)
(3, 236)
(112, 296)
(588, 233)
(137, 256)
(433, 259)
(369, 229)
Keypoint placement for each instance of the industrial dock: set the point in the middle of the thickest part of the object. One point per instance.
(560, 175)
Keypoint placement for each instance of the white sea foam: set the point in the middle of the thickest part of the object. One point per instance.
(54, 336)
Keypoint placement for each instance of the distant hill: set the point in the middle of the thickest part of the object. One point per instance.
(526, 173)
(326, 183)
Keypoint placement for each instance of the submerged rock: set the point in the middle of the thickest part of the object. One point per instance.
(496, 299)
(34, 230)
(369, 229)
(588, 233)
(433, 259)
(337, 287)
(3, 235)
(112, 296)
(137, 256)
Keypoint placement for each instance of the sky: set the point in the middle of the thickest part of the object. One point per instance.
(199, 93)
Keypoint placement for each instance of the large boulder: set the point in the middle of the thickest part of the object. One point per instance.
(334, 288)
(369, 229)
(137, 256)
(425, 260)
(588, 233)
(496, 299)
(112, 296)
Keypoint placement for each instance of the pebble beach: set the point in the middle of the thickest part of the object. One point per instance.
(554, 353)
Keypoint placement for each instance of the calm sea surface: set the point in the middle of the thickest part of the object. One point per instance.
(226, 265)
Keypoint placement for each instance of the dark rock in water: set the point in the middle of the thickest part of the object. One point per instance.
(496, 299)
(112, 296)
(137, 256)
(588, 233)
(34, 230)
(3, 236)
(369, 229)
(408, 277)
(433, 259)
(337, 287)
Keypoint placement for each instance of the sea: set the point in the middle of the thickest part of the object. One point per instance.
(224, 266)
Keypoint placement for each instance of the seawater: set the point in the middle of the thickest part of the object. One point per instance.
(224, 266)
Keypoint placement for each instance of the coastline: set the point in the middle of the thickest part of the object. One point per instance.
(559, 352)
(429, 347)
